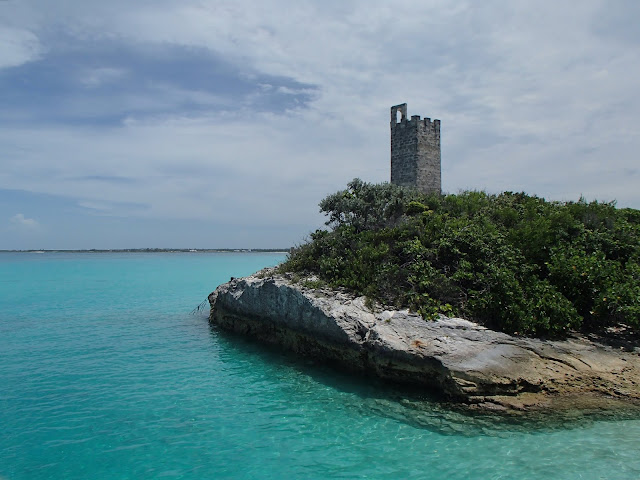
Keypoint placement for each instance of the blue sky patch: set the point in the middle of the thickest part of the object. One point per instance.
(105, 83)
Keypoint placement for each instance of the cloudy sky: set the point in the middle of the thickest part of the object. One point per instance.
(213, 124)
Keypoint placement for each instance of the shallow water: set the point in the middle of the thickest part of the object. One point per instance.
(104, 374)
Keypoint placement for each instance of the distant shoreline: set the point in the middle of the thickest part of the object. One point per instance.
(157, 250)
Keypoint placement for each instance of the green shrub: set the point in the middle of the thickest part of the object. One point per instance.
(514, 262)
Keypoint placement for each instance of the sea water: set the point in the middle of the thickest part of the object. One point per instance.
(106, 374)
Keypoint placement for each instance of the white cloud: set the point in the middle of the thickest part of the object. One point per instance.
(536, 97)
(21, 222)
(221, 168)
(96, 77)
(17, 46)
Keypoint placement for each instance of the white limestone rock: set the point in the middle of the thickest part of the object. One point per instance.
(463, 361)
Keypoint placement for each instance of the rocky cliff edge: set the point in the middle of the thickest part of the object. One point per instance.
(462, 361)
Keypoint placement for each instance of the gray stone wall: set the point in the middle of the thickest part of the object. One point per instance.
(415, 151)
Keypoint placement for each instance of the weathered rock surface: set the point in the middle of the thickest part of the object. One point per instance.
(459, 359)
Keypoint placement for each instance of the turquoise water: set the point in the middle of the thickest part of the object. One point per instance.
(105, 374)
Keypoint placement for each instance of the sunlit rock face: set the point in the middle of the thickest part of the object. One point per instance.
(462, 361)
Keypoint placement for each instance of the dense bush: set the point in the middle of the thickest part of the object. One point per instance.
(514, 262)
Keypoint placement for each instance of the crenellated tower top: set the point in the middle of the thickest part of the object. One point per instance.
(415, 151)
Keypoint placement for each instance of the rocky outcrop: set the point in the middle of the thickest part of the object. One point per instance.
(461, 360)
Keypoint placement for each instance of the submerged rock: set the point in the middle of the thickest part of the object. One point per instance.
(461, 360)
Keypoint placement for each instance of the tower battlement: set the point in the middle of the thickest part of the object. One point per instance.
(415, 151)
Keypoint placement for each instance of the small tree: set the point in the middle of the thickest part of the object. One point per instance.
(366, 206)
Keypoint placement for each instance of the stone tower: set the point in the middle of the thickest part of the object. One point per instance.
(415, 151)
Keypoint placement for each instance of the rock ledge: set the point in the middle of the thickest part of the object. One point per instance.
(464, 362)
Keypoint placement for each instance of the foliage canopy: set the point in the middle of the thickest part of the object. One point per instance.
(512, 261)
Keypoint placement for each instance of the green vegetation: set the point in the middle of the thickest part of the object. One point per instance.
(513, 262)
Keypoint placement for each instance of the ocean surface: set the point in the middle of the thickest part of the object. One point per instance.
(106, 374)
